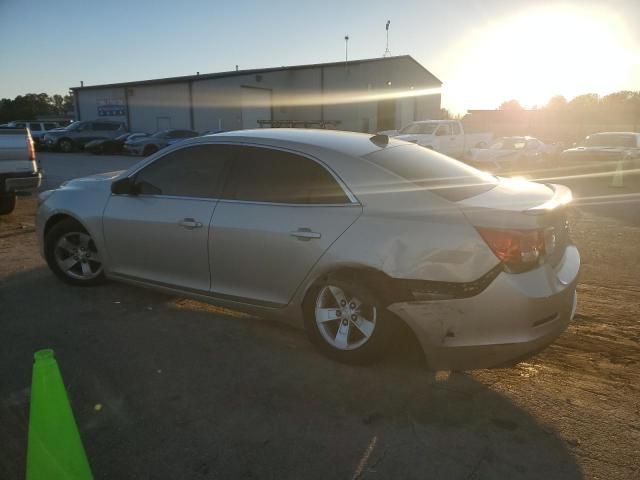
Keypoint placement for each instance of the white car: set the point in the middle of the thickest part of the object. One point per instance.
(341, 233)
(513, 154)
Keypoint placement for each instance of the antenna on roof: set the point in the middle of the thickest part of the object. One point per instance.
(387, 52)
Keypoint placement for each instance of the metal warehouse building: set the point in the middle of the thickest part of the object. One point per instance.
(361, 95)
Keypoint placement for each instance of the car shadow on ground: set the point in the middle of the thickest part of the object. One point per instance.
(187, 392)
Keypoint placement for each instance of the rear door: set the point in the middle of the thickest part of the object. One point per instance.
(161, 234)
(279, 213)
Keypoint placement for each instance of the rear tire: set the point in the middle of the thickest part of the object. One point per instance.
(72, 255)
(7, 203)
(347, 321)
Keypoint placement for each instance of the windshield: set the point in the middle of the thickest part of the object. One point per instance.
(420, 128)
(75, 126)
(442, 175)
(161, 134)
(508, 143)
(610, 140)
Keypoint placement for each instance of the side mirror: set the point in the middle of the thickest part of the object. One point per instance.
(124, 186)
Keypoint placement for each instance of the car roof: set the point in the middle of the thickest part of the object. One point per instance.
(349, 143)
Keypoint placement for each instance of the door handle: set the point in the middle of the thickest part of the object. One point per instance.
(190, 224)
(305, 234)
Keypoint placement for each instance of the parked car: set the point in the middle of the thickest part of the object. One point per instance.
(150, 145)
(37, 129)
(601, 154)
(444, 136)
(111, 145)
(342, 233)
(78, 134)
(511, 154)
(605, 146)
(19, 172)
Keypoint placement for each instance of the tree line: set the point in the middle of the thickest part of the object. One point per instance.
(619, 107)
(33, 105)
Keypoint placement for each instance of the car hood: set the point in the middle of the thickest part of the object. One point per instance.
(146, 140)
(92, 180)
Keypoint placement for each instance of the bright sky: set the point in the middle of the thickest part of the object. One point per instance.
(485, 51)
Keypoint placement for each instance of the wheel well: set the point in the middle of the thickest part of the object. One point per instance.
(65, 138)
(55, 219)
(391, 291)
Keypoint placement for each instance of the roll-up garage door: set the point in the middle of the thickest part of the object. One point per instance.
(256, 105)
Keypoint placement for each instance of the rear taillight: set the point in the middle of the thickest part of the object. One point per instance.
(30, 149)
(520, 250)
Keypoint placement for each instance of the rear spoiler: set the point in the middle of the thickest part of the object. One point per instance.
(561, 196)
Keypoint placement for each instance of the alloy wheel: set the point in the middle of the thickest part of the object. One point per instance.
(343, 320)
(77, 256)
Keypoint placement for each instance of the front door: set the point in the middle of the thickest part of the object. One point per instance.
(279, 213)
(161, 234)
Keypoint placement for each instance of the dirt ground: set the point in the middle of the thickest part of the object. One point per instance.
(188, 390)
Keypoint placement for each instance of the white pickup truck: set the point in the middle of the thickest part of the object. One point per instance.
(444, 136)
(19, 172)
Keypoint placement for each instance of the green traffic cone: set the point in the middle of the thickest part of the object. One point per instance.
(55, 450)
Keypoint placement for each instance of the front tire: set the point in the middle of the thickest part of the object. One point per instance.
(7, 203)
(150, 150)
(347, 321)
(72, 254)
(65, 145)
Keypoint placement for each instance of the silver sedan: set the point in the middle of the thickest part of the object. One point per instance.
(344, 234)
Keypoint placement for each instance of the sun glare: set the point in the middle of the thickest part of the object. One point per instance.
(539, 53)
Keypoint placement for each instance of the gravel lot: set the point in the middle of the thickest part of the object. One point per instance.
(189, 390)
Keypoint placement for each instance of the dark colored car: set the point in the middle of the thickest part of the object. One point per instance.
(78, 134)
(111, 145)
(150, 145)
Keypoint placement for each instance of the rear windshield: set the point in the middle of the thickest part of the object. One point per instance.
(442, 175)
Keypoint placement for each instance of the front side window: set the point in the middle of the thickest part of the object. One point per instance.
(444, 130)
(35, 127)
(50, 126)
(274, 176)
(194, 171)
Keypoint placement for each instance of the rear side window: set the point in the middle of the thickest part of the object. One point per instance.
(274, 176)
(611, 140)
(442, 175)
(35, 127)
(195, 171)
(106, 127)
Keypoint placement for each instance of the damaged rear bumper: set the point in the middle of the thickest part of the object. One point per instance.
(515, 316)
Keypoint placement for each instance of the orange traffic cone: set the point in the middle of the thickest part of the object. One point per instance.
(55, 450)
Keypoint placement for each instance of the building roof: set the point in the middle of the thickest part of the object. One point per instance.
(234, 73)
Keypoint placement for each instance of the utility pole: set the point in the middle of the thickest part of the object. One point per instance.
(387, 52)
(346, 48)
